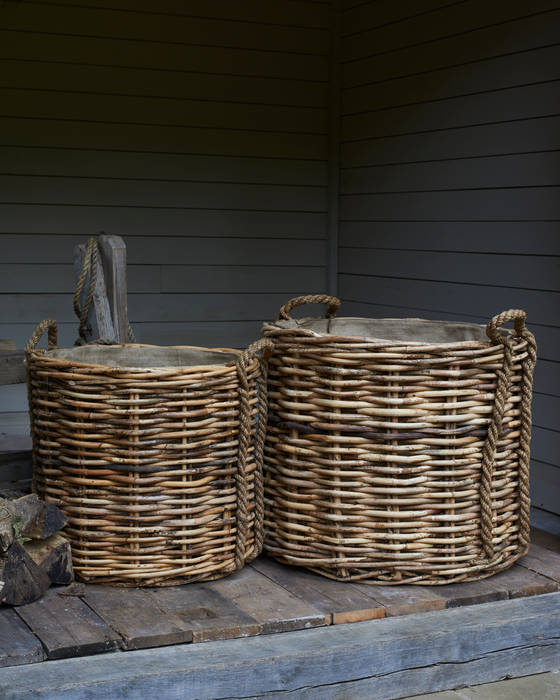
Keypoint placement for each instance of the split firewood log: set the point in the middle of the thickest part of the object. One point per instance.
(28, 517)
(21, 580)
(32, 554)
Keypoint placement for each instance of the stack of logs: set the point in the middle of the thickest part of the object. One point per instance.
(32, 554)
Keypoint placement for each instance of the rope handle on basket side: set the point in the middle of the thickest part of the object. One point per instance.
(265, 346)
(333, 305)
(516, 315)
(49, 324)
(502, 394)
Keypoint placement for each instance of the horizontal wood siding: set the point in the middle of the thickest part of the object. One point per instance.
(197, 131)
(450, 183)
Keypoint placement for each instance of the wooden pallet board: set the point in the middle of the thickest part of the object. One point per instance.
(338, 602)
(135, 616)
(67, 627)
(18, 645)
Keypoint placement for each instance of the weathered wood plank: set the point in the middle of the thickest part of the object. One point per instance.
(17, 643)
(543, 561)
(67, 627)
(132, 613)
(404, 600)
(379, 659)
(113, 258)
(471, 593)
(204, 612)
(339, 602)
(12, 369)
(519, 582)
(274, 608)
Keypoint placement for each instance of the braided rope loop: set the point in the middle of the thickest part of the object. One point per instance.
(332, 302)
(501, 397)
(244, 441)
(47, 324)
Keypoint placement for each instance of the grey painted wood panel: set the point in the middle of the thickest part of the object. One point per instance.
(45, 278)
(537, 65)
(541, 307)
(515, 170)
(545, 486)
(163, 111)
(540, 133)
(524, 102)
(35, 45)
(482, 45)
(502, 204)
(545, 445)
(455, 18)
(301, 12)
(358, 16)
(18, 219)
(515, 237)
(44, 161)
(115, 80)
(537, 272)
(193, 250)
(171, 308)
(151, 27)
(111, 192)
(112, 134)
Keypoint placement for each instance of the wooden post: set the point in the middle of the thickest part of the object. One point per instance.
(113, 256)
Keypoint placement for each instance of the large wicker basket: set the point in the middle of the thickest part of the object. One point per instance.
(153, 453)
(397, 450)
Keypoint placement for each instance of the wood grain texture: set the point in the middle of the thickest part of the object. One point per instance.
(67, 627)
(133, 615)
(18, 645)
(339, 602)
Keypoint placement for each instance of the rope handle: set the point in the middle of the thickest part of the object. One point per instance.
(333, 305)
(245, 440)
(516, 315)
(49, 324)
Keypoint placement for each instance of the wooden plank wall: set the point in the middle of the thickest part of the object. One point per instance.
(196, 130)
(450, 163)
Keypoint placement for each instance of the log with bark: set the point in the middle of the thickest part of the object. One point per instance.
(32, 554)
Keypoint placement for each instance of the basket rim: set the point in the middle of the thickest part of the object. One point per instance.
(44, 354)
(295, 325)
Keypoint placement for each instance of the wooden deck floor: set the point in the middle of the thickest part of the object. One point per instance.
(264, 598)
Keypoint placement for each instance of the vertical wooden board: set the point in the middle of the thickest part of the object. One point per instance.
(18, 645)
(274, 608)
(207, 614)
(339, 602)
(133, 614)
(519, 582)
(543, 561)
(403, 600)
(67, 627)
(113, 255)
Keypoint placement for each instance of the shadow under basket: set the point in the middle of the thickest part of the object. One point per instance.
(397, 450)
(153, 453)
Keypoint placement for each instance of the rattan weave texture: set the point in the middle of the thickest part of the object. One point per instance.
(158, 468)
(392, 458)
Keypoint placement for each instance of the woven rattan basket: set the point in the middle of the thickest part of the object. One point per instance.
(153, 453)
(397, 450)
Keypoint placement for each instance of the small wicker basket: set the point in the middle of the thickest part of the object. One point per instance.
(397, 450)
(153, 453)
